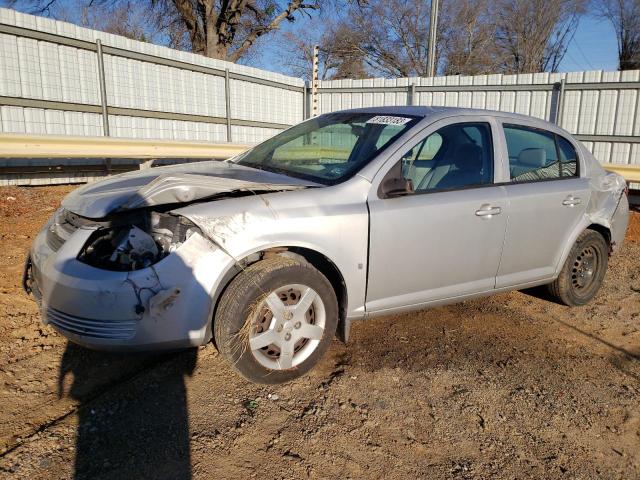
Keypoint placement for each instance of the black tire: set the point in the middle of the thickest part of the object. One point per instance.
(575, 286)
(237, 307)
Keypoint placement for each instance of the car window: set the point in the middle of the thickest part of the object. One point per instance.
(535, 154)
(387, 133)
(424, 151)
(455, 156)
(329, 144)
(568, 158)
(330, 148)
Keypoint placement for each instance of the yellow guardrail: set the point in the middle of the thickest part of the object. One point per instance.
(42, 146)
(39, 146)
(631, 173)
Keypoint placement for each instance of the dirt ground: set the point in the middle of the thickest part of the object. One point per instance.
(506, 387)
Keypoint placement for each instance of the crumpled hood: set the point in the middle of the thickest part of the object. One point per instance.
(173, 184)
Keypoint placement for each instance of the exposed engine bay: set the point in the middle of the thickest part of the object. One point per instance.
(135, 241)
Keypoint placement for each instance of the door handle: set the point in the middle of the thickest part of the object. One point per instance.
(487, 211)
(571, 201)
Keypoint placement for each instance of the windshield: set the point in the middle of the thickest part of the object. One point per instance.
(330, 148)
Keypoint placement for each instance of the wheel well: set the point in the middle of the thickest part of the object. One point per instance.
(602, 230)
(329, 270)
(318, 260)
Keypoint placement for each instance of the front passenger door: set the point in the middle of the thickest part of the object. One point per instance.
(444, 239)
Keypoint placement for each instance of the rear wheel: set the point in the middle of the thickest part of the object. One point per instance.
(276, 319)
(583, 271)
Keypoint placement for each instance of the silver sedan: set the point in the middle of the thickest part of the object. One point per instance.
(345, 216)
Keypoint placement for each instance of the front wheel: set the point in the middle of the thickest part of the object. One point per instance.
(275, 320)
(583, 271)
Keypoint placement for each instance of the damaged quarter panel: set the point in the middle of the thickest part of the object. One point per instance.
(332, 221)
(607, 206)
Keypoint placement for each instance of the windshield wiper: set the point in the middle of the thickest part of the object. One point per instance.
(267, 168)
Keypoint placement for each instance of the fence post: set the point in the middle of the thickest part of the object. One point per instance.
(559, 104)
(103, 100)
(411, 94)
(227, 99)
(103, 90)
(305, 101)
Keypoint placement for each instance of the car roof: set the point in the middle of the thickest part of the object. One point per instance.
(441, 112)
(429, 115)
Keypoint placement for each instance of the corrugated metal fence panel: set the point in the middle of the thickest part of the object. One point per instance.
(264, 103)
(138, 76)
(592, 104)
(53, 122)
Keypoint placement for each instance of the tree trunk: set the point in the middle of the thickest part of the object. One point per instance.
(216, 50)
(190, 19)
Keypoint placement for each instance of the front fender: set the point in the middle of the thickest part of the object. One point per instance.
(336, 228)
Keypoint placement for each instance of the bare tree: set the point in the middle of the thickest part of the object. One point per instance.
(227, 29)
(223, 29)
(342, 58)
(624, 15)
(295, 50)
(390, 36)
(370, 37)
(467, 38)
(337, 57)
(131, 20)
(534, 34)
(474, 36)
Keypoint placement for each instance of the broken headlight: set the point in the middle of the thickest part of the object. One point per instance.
(138, 244)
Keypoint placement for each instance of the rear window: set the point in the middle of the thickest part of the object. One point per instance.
(536, 154)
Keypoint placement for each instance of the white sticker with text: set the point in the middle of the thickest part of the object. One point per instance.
(388, 120)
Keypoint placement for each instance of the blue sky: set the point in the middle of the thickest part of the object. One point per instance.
(592, 48)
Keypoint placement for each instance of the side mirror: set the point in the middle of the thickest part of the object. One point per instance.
(394, 184)
(396, 187)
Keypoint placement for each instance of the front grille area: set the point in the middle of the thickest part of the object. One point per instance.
(105, 329)
(60, 230)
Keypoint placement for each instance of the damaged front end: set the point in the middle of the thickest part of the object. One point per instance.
(136, 280)
(119, 267)
(137, 241)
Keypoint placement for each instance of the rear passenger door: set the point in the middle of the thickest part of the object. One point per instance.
(546, 200)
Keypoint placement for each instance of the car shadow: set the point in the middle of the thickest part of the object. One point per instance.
(132, 413)
(129, 427)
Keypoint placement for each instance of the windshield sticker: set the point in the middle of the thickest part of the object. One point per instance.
(388, 120)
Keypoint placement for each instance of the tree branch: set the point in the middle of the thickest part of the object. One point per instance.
(258, 31)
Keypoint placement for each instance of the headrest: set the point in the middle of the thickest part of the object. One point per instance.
(533, 157)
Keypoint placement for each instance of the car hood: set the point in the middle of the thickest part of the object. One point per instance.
(175, 184)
